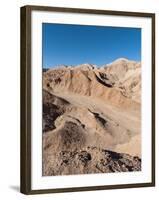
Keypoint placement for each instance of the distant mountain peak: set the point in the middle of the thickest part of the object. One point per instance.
(122, 59)
(119, 60)
(86, 66)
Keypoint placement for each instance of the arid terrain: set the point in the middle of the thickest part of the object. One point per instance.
(92, 119)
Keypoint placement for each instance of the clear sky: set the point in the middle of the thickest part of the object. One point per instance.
(78, 44)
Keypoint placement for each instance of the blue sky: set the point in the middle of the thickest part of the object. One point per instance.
(78, 44)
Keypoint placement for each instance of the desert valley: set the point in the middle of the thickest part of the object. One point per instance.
(92, 118)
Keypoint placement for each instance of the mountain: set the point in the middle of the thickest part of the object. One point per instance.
(86, 107)
(126, 75)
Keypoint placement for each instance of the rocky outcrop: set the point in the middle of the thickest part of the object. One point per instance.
(91, 160)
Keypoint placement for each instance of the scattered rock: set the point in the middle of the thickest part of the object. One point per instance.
(92, 160)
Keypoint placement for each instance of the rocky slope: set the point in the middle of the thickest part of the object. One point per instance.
(92, 110)
(90, 160)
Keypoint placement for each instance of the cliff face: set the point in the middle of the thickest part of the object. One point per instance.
(92, 110)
